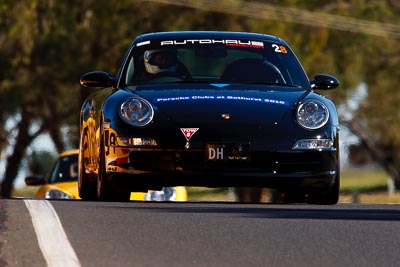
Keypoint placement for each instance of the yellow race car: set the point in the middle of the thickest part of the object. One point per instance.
(62, 183)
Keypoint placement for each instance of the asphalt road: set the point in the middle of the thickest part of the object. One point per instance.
(198, 234)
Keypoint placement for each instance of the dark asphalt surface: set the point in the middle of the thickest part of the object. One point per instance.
(209, 234)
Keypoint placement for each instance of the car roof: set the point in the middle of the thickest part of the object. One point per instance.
(206, 34)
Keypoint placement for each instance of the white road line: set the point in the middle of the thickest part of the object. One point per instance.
(52, 239)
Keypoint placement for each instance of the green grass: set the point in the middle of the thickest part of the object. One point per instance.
(201, 192)
(209, 194)
(27, 191)
(363, 181)
(356, 186)
(366, 187)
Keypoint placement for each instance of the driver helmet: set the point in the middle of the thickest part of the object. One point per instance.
(156, 61)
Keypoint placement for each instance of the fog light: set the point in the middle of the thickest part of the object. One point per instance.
(313, 144)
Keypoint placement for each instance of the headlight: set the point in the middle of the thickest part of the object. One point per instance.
(57, 194)
(312, 114)
(137, 112)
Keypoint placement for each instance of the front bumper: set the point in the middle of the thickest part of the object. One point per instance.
(155, 168)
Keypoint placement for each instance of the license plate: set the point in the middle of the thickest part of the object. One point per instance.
(226, 152)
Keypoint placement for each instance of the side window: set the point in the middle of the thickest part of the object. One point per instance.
(53, 177)
(65, 169)
(129, 72)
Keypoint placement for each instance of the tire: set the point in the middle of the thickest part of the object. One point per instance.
(86, 183)
(330, 197)
(105, 190)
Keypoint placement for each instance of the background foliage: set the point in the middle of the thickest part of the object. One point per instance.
(46, 45)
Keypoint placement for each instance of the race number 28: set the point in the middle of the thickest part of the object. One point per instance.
(279, 49)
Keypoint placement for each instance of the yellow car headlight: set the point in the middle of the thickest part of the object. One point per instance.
(57, 194)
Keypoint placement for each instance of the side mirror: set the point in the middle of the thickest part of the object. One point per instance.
(97, 79)
(324, 82)
(35, 180)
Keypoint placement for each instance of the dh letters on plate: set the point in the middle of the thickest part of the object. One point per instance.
(225, 152)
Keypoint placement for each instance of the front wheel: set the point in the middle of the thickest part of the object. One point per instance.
(105, 191)
(86, 182)
(330, 197)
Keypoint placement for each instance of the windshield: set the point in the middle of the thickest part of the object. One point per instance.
(253, 62)
(65, 169)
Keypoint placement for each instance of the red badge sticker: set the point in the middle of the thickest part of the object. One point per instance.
(189, 132)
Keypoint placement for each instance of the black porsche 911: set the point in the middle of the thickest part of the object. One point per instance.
(210, 109)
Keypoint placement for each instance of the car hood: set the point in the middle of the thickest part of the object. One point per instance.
(245, 104)
(222, 113)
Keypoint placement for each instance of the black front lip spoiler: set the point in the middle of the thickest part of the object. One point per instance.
(152, 180)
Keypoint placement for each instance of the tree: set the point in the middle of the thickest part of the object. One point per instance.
(33, 85)
(45, 46)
